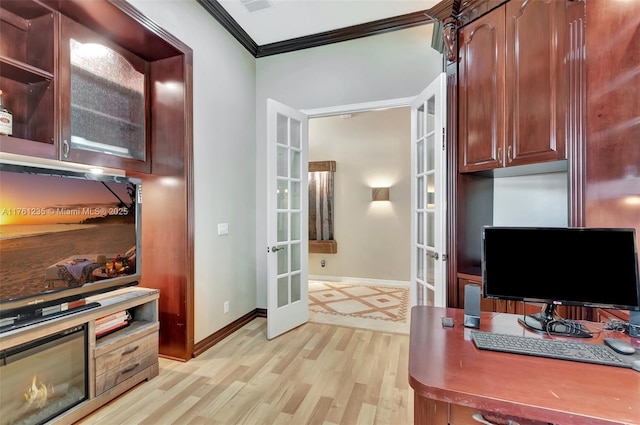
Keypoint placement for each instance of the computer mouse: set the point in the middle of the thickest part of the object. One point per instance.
(620, 345)
(636, 365)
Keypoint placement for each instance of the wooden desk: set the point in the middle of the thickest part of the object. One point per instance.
(452, 379)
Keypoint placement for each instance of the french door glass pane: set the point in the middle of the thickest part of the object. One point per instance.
(431, 296)
(295, 226)
(283, 194)
(295, 164)
(420, 156)
(420, 263)
(420, 122)
(295, 133)
(283, 165)
(431, 110)
(431, 218)
(420, 228)
(282, 227)
(430, 269)
(283, 260)
(296, 289)
(282, 136)
(295, 195)
(431, 189)
(431, 152)
(295, 257)
(283, 291)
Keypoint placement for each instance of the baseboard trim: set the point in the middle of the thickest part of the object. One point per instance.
(218, 336)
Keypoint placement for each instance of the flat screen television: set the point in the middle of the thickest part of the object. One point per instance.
(589, 267)
(64, 235)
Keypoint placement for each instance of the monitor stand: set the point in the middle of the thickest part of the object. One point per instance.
(546, 322)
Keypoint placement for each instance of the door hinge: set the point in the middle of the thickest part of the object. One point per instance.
(444, 138)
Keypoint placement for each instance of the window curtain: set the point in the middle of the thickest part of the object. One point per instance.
(321, 206)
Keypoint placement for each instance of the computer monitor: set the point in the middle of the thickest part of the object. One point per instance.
(588, 267)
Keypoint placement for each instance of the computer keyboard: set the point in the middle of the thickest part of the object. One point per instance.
(551, 348)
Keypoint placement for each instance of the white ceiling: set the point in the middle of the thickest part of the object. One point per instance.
(288, 19)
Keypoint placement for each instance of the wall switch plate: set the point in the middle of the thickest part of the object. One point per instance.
(223, 228)
(226, 307)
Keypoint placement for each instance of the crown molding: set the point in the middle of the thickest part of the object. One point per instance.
(222, 16)
(328, 37)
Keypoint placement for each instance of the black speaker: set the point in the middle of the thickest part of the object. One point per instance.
(634, 324)
(472, 306)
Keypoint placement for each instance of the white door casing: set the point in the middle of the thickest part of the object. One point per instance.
(287, 219)
(428, 200)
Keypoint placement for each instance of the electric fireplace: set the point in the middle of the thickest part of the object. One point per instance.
(43, 378)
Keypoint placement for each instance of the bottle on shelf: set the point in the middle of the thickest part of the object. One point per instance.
(6, 119)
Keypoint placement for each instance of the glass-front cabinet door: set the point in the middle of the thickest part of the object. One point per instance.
(104, 97)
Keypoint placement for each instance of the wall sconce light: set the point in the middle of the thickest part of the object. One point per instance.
(380, 194)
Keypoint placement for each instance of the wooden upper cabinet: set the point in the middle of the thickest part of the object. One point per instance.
(535, 81)
(481, 67)
(27, 76)
(91, 111)
(104, 106)
(511, 77)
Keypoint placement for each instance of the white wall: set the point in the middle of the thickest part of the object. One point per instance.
(371, 149)
(393, 65)
(224, 76)
(531, 200)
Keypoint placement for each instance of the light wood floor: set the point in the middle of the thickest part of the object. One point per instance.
(314, 374)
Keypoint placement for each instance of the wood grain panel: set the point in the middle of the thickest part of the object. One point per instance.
(167, 207)
(612, 197)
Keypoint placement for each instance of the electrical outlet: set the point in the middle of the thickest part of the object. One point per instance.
(323, 263)
(226, 307)
(223, 228)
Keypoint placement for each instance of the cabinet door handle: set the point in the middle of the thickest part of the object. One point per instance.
(500, 156)
(510, 154)
(65, 145)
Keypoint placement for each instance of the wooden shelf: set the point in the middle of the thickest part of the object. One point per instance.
(22, 72)
(323, 247)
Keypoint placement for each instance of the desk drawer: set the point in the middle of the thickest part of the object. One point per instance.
(462, 415)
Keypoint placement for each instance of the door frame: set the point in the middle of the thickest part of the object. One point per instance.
(367, 107)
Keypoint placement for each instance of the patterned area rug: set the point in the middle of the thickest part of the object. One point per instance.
(380, 308)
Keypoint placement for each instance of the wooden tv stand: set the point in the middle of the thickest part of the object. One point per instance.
(117, 361)
(453, 380)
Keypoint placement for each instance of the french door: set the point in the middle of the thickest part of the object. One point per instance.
(287, 219)
(428, 169)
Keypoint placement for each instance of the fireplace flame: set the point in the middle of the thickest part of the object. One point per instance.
(37, 396)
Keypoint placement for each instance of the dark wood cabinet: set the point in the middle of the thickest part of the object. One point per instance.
(481, 98)
(28, 31)
(535, 80)
(105, 101)
(35, 76)
(511, 75)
